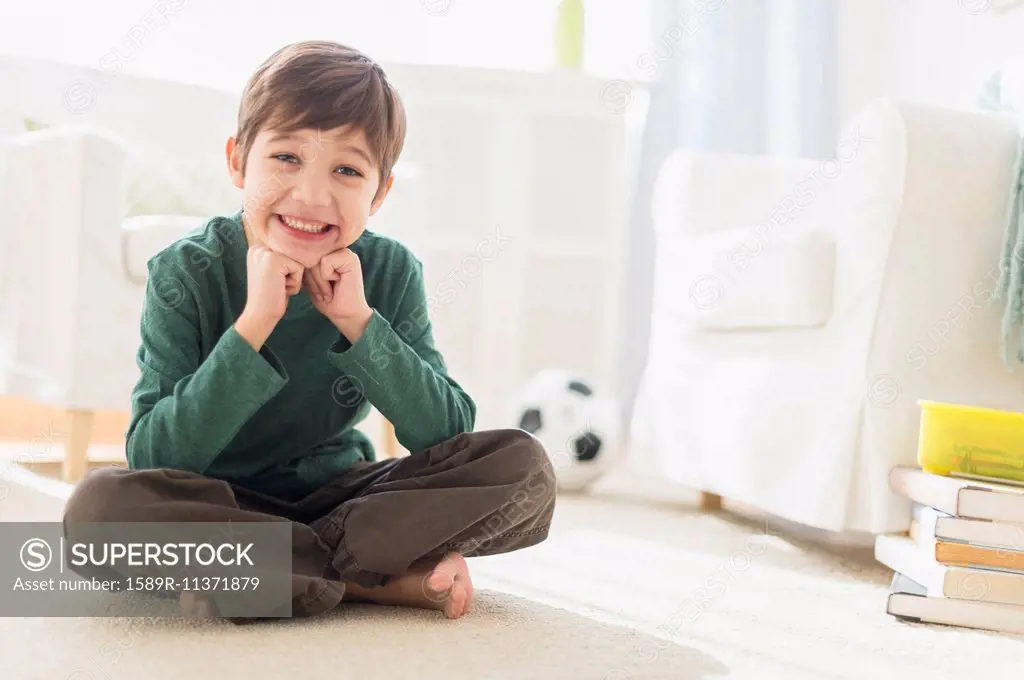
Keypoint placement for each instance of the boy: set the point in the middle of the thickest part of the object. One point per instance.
(267, 335)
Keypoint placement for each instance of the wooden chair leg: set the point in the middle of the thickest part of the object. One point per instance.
(389, 439)
(709, 502)
(76, 453)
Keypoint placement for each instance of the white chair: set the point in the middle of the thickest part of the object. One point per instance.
(113, 177)
(802, 307)
(71, 293)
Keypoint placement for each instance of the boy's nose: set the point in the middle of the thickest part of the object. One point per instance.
(311, 192)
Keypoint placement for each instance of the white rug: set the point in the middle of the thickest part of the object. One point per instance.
(620, 591)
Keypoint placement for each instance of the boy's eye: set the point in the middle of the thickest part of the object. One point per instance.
(346, 170)
(286, 157)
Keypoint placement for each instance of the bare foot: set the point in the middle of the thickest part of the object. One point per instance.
(444, 585)
(449, 585)
(195, 606)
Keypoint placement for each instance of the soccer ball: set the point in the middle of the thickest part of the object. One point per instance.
(578, 427)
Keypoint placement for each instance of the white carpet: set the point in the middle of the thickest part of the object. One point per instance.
(620, 591)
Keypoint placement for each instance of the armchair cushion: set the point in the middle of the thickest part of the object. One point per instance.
(158, 185)
(750, 278)
(699, 191)
(146, 235)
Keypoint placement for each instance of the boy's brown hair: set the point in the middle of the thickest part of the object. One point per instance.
(318, 84)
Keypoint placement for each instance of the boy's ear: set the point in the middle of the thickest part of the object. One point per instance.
(382, 193)
(234, 158)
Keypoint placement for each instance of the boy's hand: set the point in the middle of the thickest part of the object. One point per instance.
(271, 279)
(336, 286)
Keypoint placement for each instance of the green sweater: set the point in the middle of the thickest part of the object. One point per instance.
(281, 420)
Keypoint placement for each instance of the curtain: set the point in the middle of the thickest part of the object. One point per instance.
(741, 76)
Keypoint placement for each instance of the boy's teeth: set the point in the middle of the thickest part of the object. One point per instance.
(311, 227)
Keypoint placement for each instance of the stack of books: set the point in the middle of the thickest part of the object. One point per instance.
(963, 561)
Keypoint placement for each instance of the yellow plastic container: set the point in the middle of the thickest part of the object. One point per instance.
(971, 441)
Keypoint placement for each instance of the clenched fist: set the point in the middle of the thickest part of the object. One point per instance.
(336, 286)
(271, 279)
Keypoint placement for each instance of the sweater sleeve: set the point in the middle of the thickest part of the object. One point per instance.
(399, 370)
(185, 410)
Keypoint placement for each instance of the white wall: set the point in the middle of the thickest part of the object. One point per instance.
(186, 40)
(932, 51)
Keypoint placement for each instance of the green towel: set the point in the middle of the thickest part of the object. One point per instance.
(1010, 289)
(1011, 266)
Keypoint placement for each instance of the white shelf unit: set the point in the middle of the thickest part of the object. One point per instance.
(535, 158)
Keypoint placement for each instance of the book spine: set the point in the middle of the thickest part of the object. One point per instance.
(983, 533)
(924, 488)
(966, 555)
(995, 506)
(983, 585)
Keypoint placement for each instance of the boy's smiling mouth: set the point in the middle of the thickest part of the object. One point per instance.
(301, 228)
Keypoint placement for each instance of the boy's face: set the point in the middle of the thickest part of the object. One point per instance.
(307, 193)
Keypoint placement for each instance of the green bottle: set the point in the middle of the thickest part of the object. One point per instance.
(569, 34)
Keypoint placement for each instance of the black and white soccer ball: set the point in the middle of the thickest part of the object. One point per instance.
(578, 427)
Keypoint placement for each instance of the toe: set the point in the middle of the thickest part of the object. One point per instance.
(467, 584)
(439, 581)
(444, 575)
(462, 596)
(438, 585)
(456, 605)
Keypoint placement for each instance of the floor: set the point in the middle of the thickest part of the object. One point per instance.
(40, 426)
(624, 588)
(33, 436)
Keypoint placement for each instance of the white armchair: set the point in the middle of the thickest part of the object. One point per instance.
(802, 307)
(71, 297)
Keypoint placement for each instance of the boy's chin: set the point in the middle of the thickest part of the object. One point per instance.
(305, 254)
(307, 257)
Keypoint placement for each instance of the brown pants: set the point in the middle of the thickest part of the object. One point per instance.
(479, 493)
